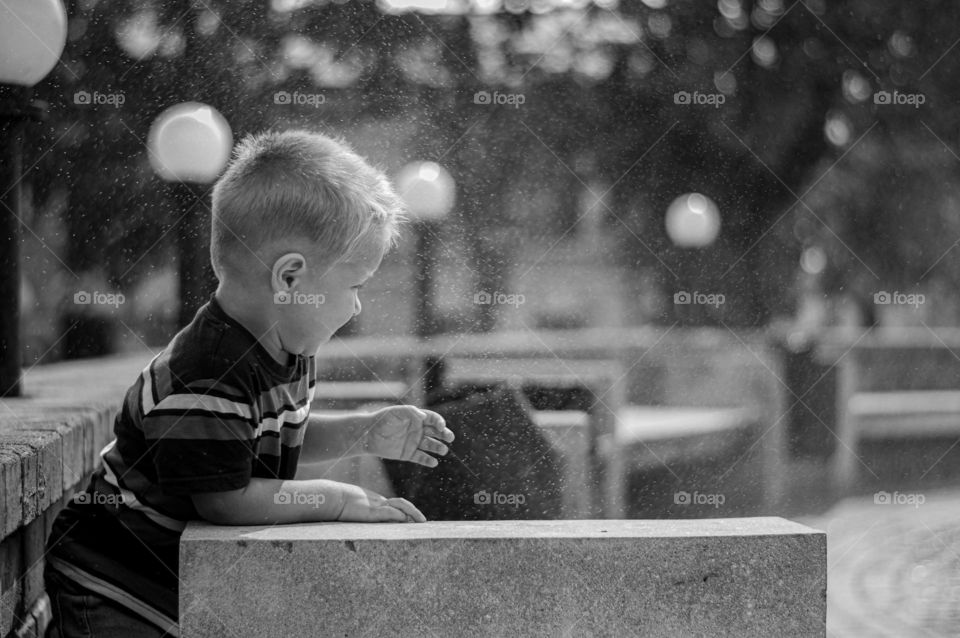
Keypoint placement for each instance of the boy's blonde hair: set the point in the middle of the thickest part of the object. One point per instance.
(299, 184)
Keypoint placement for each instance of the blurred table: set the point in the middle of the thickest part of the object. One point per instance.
(651, 437)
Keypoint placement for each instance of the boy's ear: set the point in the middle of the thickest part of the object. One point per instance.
(288, 270)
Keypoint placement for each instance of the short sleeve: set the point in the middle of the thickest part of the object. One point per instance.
(201, 440)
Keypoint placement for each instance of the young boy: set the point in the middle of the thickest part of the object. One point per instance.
(214, 426)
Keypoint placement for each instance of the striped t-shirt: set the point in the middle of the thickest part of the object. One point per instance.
(210, 412)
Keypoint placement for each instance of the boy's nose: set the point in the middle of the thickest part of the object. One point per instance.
(356, 306)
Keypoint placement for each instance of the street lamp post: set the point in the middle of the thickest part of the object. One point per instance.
(692, 221)
(429, 192)
(189, 146)
(32, 37)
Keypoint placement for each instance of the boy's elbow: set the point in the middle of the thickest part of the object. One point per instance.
(219, 508)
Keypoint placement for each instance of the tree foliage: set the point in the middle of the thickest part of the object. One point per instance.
(783, 128)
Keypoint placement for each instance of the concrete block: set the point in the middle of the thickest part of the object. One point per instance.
(715, 577)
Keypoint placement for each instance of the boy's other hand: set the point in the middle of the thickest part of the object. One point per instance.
(363, 506)
(407, 433)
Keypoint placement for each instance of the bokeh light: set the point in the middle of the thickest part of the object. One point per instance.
(33, 33)
(189, 142)
(838, 129)
(427, 189)
(693, 221)
(813, 260)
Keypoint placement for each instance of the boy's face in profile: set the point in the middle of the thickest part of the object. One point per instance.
(325, 299)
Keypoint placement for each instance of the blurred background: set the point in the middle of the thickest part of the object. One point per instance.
(568, 126)
(732, 224)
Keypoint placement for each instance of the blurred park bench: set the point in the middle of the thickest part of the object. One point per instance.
(712, 449)
(573, 428)
(720, 394)
(589, 393)
(894, 386)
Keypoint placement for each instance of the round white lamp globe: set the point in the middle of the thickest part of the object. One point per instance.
(693, 221)
(427, 189)
(189, 142)
(33, 33)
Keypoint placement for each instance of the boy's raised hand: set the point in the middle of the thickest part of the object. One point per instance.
(407, 433)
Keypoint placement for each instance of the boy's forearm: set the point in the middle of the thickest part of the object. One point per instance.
(330, 437)
(266, 501)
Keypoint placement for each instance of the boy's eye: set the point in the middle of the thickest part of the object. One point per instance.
(358, 286)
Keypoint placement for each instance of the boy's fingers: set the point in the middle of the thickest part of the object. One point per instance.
(422, 458)
(444, 434)
(433, 446)
(437, 427)
(433, 423)
(423, 414)
(391, 514)
(408, 509)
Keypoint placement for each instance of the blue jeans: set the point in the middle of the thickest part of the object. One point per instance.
(80, 613)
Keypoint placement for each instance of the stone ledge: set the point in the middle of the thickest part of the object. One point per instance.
(716, 577)
(50, 438)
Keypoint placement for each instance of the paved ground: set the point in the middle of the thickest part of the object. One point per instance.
(893, 568)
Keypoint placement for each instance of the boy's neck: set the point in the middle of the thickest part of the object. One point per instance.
(240, 310)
